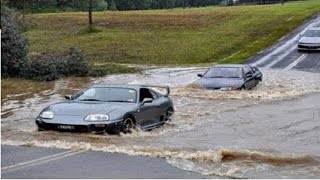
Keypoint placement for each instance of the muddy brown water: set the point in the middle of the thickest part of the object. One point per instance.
(270, 132)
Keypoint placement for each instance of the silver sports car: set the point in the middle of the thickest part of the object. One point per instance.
(310, 40)
(109, 108)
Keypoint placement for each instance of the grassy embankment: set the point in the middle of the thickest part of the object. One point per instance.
(167, 37)
(170, 37)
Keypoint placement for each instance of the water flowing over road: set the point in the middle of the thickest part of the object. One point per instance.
(224, 133)
(271, 131)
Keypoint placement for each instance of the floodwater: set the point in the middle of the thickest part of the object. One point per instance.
(270, 132)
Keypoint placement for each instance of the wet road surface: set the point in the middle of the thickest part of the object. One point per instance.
(285, 55)
(34, 162)
(271, 131)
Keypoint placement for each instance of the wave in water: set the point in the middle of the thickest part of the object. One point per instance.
(222, 162)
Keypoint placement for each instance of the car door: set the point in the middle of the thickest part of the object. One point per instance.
(159, 108)
(249, 77)
(256, 74)
(147, 111)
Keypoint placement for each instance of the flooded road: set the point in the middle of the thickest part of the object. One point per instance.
(269, 132)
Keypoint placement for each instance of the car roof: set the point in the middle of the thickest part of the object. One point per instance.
(231, 65)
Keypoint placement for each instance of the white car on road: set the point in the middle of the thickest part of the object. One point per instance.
(310, 40)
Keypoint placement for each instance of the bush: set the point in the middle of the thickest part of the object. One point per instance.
(51, 66)
(42, 69)
(13, 43)
(76, 63)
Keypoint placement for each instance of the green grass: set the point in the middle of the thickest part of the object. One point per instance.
(106, 69)
(170, 37)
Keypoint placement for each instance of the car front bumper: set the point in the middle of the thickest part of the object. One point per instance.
(93, 127)
(312, 47)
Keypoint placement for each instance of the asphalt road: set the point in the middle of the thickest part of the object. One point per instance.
(43, 163)
(285, 55)
(33, 162)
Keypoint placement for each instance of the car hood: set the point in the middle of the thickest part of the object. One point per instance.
(220, 82)
(315, 40)
(84, 108)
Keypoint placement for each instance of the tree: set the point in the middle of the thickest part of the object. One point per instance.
(113, 6)
(13, 43)
(162, 4)
(142, 4)
(90, 13)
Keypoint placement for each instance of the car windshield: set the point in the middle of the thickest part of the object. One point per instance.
(108, 94)
(312, 33)
(224, 73)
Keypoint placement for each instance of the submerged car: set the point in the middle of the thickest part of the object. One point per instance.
(109, 108)
(310, 40)
(230, 77)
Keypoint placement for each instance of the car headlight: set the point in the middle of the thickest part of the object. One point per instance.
(226, 88)
(47, 114)
(97, 117)
(229, 88)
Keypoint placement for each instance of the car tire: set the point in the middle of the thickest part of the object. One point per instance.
(41, 128)
(127, 125)
(168, 114)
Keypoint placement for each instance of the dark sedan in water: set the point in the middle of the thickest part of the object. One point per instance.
(230, 77)
(109, 108)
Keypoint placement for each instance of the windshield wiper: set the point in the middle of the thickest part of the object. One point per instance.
(89, 100)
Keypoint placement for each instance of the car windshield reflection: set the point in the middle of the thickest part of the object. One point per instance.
(312, 33)
(224, 73)
(108, 95)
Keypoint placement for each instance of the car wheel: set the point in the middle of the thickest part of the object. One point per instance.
(127, 125)
(168, 115)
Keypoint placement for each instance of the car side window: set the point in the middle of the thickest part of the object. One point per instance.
(247, 70)
(145, 93)
(154, 94)
(254, 69)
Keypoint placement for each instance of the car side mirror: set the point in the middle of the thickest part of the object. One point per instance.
(200, 75)
(147, 100)
(69, 97)
(249, 75)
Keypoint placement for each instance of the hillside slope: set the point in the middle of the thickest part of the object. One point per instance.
(178, 36)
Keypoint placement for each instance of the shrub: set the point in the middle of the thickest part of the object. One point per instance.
(76, 63)
(44, 67)
(13, 43)
(51, 66)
